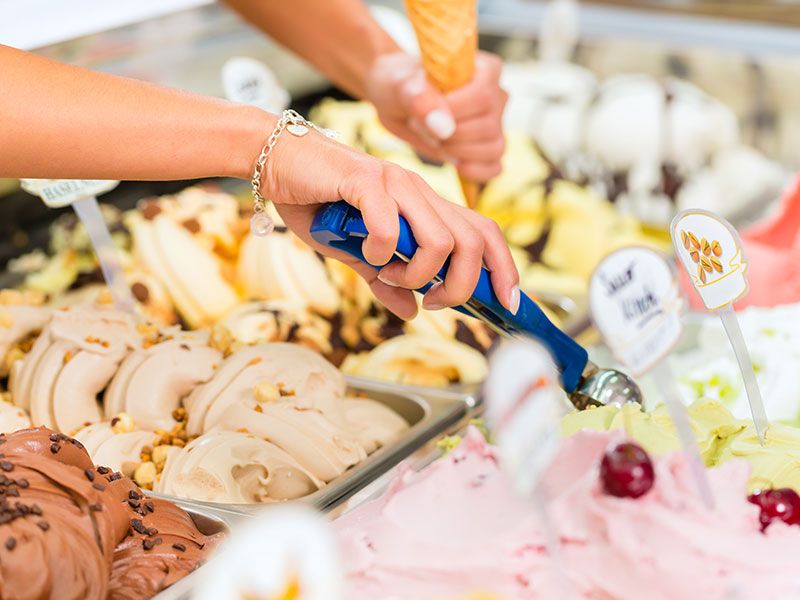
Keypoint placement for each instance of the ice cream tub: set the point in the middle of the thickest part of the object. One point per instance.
(428, 413)
(209, 521)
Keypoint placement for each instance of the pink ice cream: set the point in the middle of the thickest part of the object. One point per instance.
(772, 252)
(456, 527)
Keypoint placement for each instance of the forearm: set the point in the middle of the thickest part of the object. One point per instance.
(339, 37)
(59, 121)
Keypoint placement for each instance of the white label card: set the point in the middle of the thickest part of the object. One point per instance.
(524, 409)
(710, 250)
(286, 553)
(636, 305)
(248, 81)
(56, 193)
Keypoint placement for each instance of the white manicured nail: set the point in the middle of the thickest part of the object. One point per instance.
(440, 124)
(415, 85)
(513, 300)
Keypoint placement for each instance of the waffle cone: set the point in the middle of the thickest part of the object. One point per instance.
(447, 33)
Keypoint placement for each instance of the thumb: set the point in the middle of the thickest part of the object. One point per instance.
(426, 106)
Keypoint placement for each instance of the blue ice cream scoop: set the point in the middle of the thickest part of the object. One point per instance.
(342, 227)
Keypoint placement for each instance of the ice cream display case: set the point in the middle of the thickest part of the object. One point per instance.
(256, 373)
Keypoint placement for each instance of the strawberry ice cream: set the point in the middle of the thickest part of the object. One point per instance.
(457, 527)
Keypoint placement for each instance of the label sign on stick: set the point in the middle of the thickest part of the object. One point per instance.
(711, 252)
(636, 304)
(524, 408)
(57, 193)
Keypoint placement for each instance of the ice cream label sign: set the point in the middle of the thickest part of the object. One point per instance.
(524, 408)
(711, 252)
(248, 81)
(636, 304)
(56, 193)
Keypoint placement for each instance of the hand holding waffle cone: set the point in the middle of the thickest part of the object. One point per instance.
(449, 106)
(447, 32)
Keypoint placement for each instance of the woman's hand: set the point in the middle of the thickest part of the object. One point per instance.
(304, 172)
(463, 127)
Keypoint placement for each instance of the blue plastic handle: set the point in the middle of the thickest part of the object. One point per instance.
(341, 226)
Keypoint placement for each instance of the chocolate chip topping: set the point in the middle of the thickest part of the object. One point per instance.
(150, 544)
(140, 292)
(54, 448)
(103, 470)
(11, 543)
(99, 486)
(179, 547)
(96, 507)
(150, 506)
(115, 476)
(138, 526)
(150, 209)
(43, 525)
(6, 466)
(134, 495)
(191, 225)
(89, 474)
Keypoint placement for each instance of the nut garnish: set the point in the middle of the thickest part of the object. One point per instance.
(705, 254)
(145, 475)
(266, 391)
(122, 423)
(706, 264)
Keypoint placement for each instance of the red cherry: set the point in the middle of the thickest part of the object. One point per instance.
(782, 504)
(626, 471)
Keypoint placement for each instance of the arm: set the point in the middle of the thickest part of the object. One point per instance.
(59, 121)
(343, 41)
(339, 37)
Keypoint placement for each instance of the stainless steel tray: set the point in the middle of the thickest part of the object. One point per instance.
(424, 456)
(429, 412)
(209, 521)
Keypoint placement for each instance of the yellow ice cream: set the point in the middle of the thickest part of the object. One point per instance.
(719, 434)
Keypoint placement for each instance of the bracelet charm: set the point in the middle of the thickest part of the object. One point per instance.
(261, 223)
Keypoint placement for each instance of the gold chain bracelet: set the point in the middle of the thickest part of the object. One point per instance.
(260, 223)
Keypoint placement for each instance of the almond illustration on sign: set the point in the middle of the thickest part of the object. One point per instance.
(704, 253)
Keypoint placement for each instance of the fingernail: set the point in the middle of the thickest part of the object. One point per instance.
(415, 85)
(440, 124)
(383, 278)
(513, 300)
(427, 304)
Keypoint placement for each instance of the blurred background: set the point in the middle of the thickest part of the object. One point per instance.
(742, 59)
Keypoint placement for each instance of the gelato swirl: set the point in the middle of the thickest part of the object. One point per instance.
(70, 363)
(72, 530)
(152, 381)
